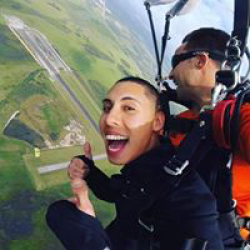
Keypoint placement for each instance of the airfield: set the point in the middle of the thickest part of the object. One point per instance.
(57, 60)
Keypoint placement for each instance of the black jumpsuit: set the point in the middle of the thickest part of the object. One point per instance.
(177, 214)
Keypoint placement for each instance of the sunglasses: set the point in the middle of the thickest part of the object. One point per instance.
(215, 55)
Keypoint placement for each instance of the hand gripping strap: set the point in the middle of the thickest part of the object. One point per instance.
(222, 116)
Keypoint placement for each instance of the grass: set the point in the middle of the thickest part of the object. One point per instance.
(56, 156)
(15, 63)
(13, 173)
(56, 120)
(10, 48)
(83, 63)
(91, 47)
(90, 133)
(97, 92)
(36, 83)
(81, 22)
(95, 30)
(41, 106)
(79, 86)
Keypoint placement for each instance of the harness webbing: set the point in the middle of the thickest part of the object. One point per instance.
(180, 125)
(175, 170)
(188, 147)
(241, 22)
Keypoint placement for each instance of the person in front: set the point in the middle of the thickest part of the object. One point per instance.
(153, 208)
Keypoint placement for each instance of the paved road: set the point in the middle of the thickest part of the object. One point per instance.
(79, 104)
(50, 168)
(11, 118)
(66, 87)
(39, 52)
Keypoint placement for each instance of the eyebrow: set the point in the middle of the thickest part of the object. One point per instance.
(123, 99)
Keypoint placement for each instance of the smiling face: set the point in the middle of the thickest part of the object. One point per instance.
(130, 123)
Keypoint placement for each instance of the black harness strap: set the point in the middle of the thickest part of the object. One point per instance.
(175, 170)
(241, 22)
(227, 222)
(180, 125)
(157, 55)
(185, 152)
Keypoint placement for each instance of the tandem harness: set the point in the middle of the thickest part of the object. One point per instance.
(201, 134)
(219, 123)
(223, 128)
(217, 127)
(176, 168)
(222, 131)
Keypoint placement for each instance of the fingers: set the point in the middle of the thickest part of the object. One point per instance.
(77, 169)
(87, 150)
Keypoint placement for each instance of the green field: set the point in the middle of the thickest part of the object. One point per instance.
(99, 51)
(25, 195)
(55, 156)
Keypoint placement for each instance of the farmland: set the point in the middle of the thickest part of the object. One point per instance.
(37, 112)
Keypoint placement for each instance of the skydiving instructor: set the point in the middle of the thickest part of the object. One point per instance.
(194, 68)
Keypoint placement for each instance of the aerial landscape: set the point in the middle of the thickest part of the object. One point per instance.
(57, 59)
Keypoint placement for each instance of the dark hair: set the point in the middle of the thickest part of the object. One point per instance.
(207, 39)
(152, 90)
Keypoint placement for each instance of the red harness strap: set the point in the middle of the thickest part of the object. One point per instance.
(220, 121)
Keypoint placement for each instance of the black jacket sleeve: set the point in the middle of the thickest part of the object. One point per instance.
(98, 182)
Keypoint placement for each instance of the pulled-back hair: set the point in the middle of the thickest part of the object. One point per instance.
(151, 89)
(207, 39)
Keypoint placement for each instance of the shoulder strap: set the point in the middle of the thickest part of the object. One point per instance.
(241, 22)
(180, 125)
(175, 169)
(179, 163)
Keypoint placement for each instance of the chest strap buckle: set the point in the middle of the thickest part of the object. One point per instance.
(175, 166)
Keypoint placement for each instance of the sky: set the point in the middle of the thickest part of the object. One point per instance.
(206, 13)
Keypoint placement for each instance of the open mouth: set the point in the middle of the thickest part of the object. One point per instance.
(116, 143)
